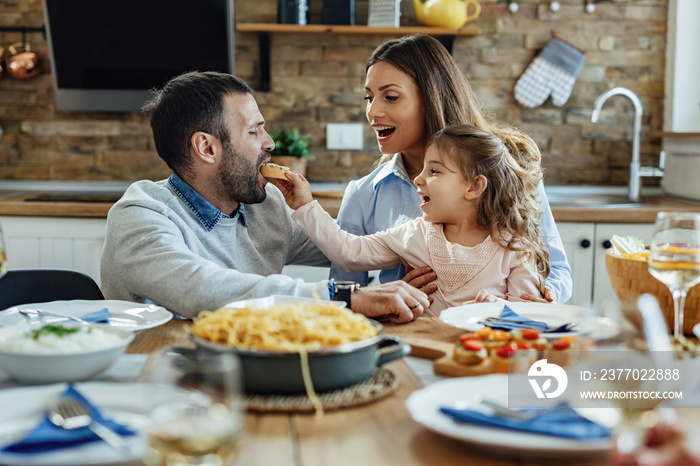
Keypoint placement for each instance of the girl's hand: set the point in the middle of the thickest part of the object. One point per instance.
(484, 296)
(548, 297)
(296, 190)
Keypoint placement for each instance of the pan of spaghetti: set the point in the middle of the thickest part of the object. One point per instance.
(296, 345)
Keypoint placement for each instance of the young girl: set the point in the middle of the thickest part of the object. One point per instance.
(479, 228)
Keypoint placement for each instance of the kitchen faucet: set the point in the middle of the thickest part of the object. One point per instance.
(636, 169)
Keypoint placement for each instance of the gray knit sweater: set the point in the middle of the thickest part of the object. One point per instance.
(166, 244)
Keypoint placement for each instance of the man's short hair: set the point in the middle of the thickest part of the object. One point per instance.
(188, 103)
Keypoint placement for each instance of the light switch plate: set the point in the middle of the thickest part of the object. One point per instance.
(344, 136)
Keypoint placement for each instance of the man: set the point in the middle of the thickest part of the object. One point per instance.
(216, 231)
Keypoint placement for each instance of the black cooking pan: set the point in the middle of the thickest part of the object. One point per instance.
(267, 371)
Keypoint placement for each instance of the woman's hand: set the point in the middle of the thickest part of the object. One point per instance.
(296, 190)
(422, 278)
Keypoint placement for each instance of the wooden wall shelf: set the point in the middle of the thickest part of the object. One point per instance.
(445, 35)
(359, 30)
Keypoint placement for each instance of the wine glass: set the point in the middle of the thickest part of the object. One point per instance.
(3, 254)
(202, 420)
(674, 258)
(626, 388)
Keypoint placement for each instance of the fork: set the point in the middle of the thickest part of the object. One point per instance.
(39, 312)
(499, 409)
(71, 414)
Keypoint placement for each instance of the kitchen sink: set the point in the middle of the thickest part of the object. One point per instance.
(585, 196)
(594, 200)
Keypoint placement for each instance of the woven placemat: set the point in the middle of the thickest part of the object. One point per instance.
(380, 384)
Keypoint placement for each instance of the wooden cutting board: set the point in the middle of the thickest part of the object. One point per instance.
(441, 353)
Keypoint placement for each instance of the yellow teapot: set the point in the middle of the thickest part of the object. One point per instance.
(446, 13)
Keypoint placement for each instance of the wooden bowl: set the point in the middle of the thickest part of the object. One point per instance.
(630, 278)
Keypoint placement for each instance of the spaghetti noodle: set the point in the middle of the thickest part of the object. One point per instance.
(283, 327)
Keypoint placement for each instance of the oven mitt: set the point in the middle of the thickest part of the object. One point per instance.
(47, 437)
(553, 72)
(560, 422)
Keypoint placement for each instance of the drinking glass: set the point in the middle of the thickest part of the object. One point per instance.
(674, 258)
(3, 254)
(202, 422)
(628, 388)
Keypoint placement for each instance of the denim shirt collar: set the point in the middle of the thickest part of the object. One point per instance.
(206, 213)
(394, 167)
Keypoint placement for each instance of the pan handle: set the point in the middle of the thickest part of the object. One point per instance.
(391, 348)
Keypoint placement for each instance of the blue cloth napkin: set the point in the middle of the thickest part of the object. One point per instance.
(47, 437)
(101, 316)
(519, 321)
(560, 422)
(525, 322)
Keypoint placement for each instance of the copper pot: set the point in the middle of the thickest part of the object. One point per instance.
(22, 65)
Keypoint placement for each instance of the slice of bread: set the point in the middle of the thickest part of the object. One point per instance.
(272, 171)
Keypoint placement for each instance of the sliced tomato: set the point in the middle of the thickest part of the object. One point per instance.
(530, 333)
(468, 336)
(561, 344)
(504, 351)
(472, 345)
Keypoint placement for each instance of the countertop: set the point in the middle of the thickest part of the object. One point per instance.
(94, 199)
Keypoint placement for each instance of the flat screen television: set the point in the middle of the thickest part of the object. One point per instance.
(107, 55)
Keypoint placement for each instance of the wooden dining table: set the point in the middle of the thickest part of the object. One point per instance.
(380, 433)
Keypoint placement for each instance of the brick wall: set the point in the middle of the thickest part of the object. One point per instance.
(319, 79)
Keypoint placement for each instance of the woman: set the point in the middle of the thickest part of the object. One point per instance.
(414, 89)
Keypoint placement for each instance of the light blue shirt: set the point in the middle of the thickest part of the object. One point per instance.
(387, 197)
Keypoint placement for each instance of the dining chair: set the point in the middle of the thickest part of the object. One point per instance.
(23, 286)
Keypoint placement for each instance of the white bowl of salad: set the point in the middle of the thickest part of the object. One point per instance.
(66, 352)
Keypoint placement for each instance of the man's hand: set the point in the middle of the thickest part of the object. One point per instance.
(422, 278)
(296, 190)
(396, 302)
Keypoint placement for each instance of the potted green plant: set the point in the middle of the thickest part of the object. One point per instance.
(291, 149)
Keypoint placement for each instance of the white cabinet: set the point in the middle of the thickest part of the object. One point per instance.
(578, 239)
(585, 245)
(55, 242)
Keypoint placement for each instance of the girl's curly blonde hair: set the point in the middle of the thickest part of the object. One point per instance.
(509, 208)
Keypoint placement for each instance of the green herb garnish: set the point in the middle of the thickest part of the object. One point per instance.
(58, 330)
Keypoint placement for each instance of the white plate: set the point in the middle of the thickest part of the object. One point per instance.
(126, 403)
(424, 406)
(123, 314)
(467, 317)
(696, 330)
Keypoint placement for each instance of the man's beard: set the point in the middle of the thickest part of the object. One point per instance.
(238, 177)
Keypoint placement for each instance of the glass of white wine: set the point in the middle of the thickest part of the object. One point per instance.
(674, 258)
(3, 254)
(203, 426)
